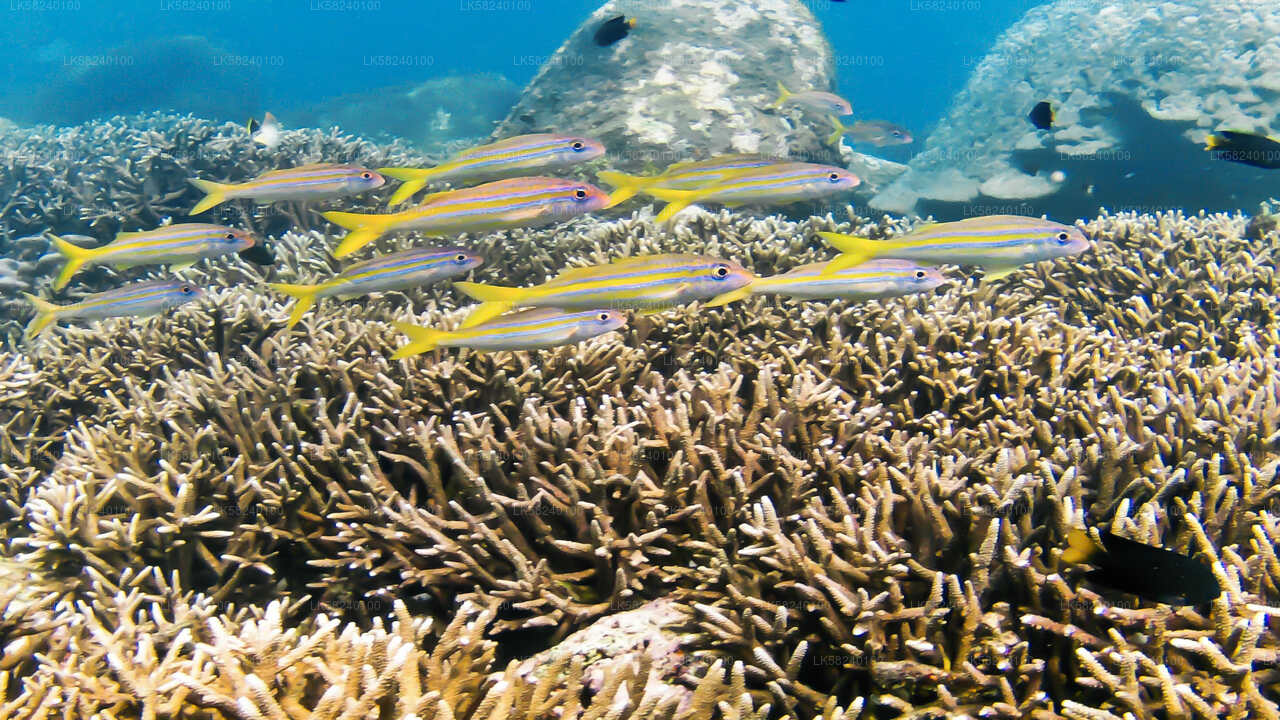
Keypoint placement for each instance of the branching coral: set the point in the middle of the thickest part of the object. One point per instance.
(822, 510)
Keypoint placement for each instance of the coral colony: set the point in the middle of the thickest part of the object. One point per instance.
(776, 509)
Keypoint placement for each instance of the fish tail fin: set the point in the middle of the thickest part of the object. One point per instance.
(215, 195)
(253, 125)
(626, 185)
(837, 130)
(677, 200)
(412, 179)
(76, 258)
(494, 300)
(46, 314)
(305, 297)
(364, 229)
(783, 94)
(854, 250)
(1080, 547)
(421, 340)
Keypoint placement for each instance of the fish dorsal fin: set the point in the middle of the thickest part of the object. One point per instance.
(579, 273)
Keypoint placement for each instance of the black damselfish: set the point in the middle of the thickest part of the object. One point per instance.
(1246, 148)
(1152, 573)
(1041, 115)
(613, 30)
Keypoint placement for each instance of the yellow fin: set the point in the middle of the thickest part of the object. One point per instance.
(76, 258)
(997, 273)
(626, 185)
(731, 296)
(421, 340)
(494, 300)
(1080, 547)
(305, 297)
(364, 229)
(854, 250)
(677, 200)
(414, 179)
(835, 136)
(46, 314)
(215, 195)
(783, 94)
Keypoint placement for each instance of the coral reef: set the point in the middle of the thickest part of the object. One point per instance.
(832, 510)
(1135, 97)
(692, 80)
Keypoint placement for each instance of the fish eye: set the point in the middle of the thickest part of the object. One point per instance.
(722, 271)
(186, 290)
(231, 236)
(366, 175)
(1063, 237)
(834, 177)
(580, 193)
(920, 274)
(897, 133)
(578, 146)
(460, 258)
(604, 317)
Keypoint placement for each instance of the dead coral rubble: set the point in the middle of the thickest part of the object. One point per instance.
(834, 510)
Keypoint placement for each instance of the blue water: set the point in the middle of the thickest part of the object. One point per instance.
(901, 60)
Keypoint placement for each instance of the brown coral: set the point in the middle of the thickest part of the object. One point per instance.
(856, 509)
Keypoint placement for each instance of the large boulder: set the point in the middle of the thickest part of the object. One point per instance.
(693, 79)
(1137, 84)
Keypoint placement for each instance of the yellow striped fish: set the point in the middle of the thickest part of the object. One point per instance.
(302, 183)
(517, 202)
(998, 243)
(819, 100)
(870, 280)
(410, 268)
(645, 282)
(682, 176)
(775, 184)
(136, 300)
(181, 245)
(505, 158)
(525, 330)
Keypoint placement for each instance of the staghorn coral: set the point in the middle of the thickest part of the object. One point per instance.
(839, 510)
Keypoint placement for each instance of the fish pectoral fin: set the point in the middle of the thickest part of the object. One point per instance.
(997, 273)
(731, 296)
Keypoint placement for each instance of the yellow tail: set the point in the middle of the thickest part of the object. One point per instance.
(420, 340)
(627, 185)
(838, 132)
(414, 179)
(305, 297)
(783, 94)
(1080, 547)
(677, 200)
(76, 257)
(364, 230)
(494, 300)
(854, 250)
(215, 195)
(46, 314)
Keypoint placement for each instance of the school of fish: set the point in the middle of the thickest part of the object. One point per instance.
(504, 184)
